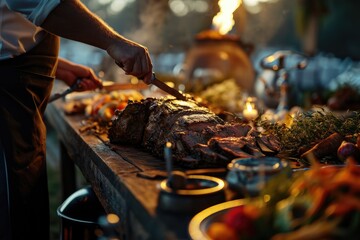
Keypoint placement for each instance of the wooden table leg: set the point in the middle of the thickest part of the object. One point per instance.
(68, 178)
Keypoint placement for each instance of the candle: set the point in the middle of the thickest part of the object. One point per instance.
(168, 157)
(250, 112)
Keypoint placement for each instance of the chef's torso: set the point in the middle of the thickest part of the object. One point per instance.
(19, 25)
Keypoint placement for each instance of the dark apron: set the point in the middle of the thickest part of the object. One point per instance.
(25, 86)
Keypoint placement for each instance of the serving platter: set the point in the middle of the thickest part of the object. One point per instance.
(200, 223)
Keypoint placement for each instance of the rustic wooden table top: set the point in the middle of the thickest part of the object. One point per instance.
(126, 179)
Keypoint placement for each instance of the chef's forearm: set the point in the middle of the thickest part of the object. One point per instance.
(73, 20)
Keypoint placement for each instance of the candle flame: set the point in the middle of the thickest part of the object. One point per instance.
(168, 144)
(224, 21)
(249, 106)
(112, 218)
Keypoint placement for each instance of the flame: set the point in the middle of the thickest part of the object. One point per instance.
(224, 21)
(249, 106)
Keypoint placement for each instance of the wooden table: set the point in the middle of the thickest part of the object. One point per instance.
(114, 174)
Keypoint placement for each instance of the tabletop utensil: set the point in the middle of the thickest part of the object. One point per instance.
(108, 86)
(160, 174)
(114, 86)
(168, 157)
(163, 86)
(76, 86)
(199, 192)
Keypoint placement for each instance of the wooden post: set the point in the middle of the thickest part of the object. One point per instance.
(68, 178)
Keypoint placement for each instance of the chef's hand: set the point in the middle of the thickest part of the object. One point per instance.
(133, 58)
(69, 72)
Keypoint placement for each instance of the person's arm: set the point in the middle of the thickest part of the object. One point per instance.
(69, 72)
(73, 20)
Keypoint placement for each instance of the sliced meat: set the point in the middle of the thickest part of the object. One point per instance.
(269, 144)
(230, 147)
(228, 130)
(208, 157)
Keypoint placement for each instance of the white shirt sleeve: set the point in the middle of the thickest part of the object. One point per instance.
(35, 11)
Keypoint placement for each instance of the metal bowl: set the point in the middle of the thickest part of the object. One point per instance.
(199, 193)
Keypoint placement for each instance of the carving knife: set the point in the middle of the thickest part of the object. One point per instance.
(76, 86)
(106, 85)
(113, 86)
(163, 86)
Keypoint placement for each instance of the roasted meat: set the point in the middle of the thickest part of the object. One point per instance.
(170, 119)
(199, 137)
(130, 124)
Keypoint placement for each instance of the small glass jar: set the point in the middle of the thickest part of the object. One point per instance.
(248, 176)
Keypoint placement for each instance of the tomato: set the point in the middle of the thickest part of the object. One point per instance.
(241, 219)
(221, 231)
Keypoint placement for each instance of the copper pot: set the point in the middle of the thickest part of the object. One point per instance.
(214, 58)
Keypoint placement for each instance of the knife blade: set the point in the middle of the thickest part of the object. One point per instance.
(72, 88)
(163, 86)
(113, 86)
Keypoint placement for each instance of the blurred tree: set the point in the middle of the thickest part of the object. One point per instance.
(339, 30)
(308, 15)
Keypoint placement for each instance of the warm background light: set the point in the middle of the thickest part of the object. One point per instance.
(224, 21)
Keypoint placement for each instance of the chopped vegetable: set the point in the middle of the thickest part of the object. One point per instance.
(308, 129)
(325, 147)
(323, 203)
